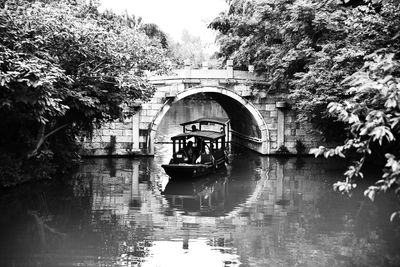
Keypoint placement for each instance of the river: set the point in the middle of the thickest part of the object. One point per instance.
(259, 211)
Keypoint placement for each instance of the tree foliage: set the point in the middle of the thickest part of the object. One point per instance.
(156, 34)
(188, 48)
(339, 62)
(307, 47)
(63, 67)
(373, 114)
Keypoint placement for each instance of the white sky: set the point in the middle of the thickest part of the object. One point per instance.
(172, 16)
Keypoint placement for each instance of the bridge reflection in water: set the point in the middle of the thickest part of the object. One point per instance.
(259, 211)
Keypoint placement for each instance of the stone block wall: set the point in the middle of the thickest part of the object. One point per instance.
(291, 131)
(115, 138)
(130, 137)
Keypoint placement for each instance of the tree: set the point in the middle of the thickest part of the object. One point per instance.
(306, 47)
(65, 67)
(372, 113)
(155, 33)
(339, 62)
(189, 48)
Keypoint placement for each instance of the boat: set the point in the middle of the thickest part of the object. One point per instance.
(200, 149)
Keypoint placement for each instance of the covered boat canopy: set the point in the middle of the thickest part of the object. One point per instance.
(202, 134)
(215, 124)
(217, 120)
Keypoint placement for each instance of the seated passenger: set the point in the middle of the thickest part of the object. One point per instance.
(205, 156)
(188, 152)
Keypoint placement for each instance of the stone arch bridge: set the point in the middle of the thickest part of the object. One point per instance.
(261, 119)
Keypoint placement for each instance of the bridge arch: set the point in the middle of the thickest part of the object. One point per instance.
(248, 126)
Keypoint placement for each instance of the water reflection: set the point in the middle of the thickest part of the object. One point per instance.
(201, 197)
(260, 211)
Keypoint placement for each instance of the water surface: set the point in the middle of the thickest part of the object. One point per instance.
(259, 211)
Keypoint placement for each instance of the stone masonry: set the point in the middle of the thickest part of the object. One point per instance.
(261, 119)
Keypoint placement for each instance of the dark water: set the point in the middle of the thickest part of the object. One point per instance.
(260, 211)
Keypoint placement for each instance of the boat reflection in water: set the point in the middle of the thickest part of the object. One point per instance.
(199, 197)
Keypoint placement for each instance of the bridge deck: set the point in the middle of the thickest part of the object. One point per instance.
(207, 74)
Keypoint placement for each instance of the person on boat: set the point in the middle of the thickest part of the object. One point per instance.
(189, 152)
(205, 155)
(197, 141)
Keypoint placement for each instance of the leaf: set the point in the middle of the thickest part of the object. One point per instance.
(380, 132)
(317, 151)
(393, 215)
(370, 194)
(391, 102)
(353, 119)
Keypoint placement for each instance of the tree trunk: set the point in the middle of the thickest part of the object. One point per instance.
(39, 140)
(41, 137)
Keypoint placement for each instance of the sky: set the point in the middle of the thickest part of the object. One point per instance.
(173, 16)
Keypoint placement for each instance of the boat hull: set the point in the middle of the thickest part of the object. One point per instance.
(184, 170)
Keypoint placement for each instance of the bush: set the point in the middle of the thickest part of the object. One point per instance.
(65, 68)
(300, 147)
(282, 150)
